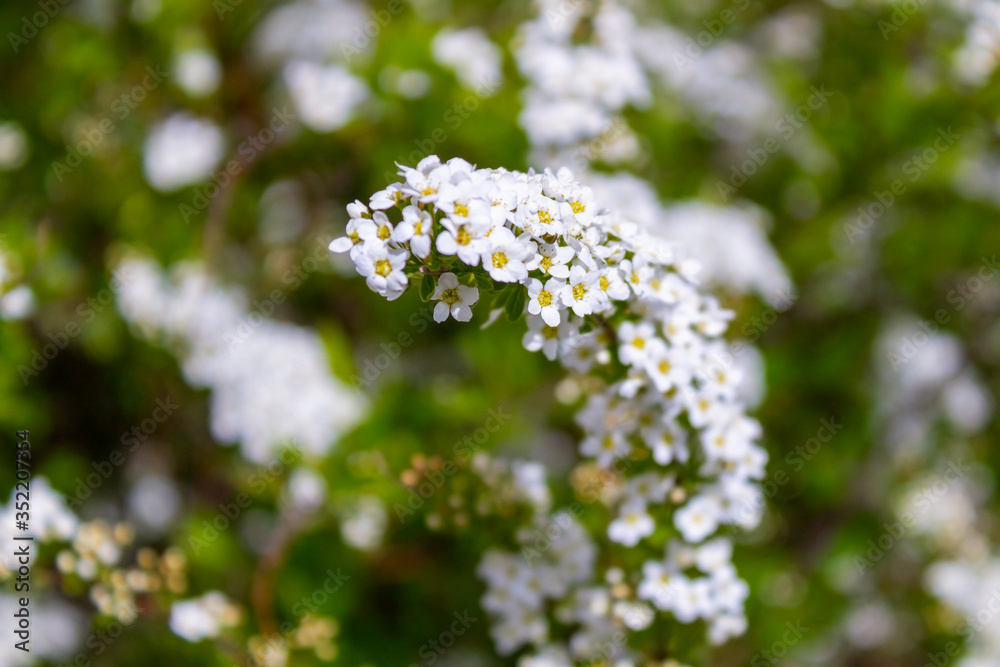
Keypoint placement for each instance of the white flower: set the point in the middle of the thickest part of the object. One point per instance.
(204, 617)
(454, 299)
(699, 518)
(667, 367)
(541, 336)
(580, 294)
(635, 341)
(606, 448)
(632, 524)
(612, 284)
(182, 150)
(415, 229)
(324, 96)
(467, 240)
(505, 259)
(544, 299)
(660, 584)
(382, 268)
(650, 487)
(376, 229)
(552, 259)
(198, 72)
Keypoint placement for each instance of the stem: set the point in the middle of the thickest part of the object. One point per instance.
(262, 590)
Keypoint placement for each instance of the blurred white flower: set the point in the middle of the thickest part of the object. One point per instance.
(197, 72)
(13, 146)
(325, 96)
(204, 617)
(182, 150)
(363, 523)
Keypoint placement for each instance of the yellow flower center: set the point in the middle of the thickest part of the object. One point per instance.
(638, 343)
(546, 264)
(418, 228)
(579, 291)
(550, 332)
(383, 267)
(384, 232)
(578, 207)
(664, 366)
(355, 239)
(499, 260)
(428, 191)
(450, 296)
(635, 278)
(608, 443)
(463, 237)
(544, 298)
(462, 210)
(544, 217)
(604, 283)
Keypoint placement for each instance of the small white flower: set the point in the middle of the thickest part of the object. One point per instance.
(580, 294)
(667, 367)
(382, 268)
(387, 198)
(505, 259)
(606, 448)
(377, 229)
(636, 340)
(454, 298)
(553, 260)
(544, 299)
(699, 518)
(633, 524)
(661, 584)
(416, 228)
(650, 487)
(467, 240)
(541, 336)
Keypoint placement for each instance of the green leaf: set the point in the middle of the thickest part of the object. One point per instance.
(427, 286)
(484, 282)
(501, 296)
(515, 303)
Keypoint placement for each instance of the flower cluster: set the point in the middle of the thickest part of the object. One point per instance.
(614, 304)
